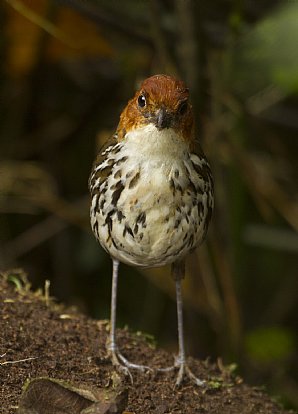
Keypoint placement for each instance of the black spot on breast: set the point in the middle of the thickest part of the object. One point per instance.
(117, 192)
(116, 149)
(200, 208)
(95, 228)
(192, 186)
(176, 173)
(109, 221)
(134, 180)
(117, 174)
(95, 199)
(200, 190)
(190, 241)
(141, 219)
(123, 159)
(197, 168)
(102, 203)
(177, 223)
(120, 215)
(127, 229)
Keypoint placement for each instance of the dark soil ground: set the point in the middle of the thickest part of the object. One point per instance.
(69, 346)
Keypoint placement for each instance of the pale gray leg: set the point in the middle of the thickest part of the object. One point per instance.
(178, 271)
(112, 341)
(118, 360)
(181, 360)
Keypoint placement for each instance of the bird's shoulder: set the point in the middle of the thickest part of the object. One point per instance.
(102, 165)
(201, 164)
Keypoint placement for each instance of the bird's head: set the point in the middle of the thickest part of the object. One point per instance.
(162, 101)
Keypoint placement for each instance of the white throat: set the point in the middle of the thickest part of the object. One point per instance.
(148, 141)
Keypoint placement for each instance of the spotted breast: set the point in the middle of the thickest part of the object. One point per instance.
(152, 198)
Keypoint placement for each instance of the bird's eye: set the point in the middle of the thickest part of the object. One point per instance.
(183, 107)
(141, 101)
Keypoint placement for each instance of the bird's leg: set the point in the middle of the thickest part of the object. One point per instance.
(178, 271)
(112, 339)
(181, 360)
(118, 360)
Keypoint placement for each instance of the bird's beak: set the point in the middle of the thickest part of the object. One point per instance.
(163, 119)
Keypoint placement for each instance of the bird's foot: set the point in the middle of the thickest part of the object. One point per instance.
(123, 365)
(183, 371)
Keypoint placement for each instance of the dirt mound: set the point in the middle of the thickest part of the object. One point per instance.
(41, 339)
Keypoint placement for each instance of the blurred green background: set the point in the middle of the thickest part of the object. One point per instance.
(68, 68)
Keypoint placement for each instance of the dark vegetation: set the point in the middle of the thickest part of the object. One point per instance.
(67, 70)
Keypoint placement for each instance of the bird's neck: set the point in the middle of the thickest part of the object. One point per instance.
(150, 142)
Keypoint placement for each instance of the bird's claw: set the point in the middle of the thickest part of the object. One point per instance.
(123, 365)
(183, 371)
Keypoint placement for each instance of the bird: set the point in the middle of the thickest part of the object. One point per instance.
(152, 196)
